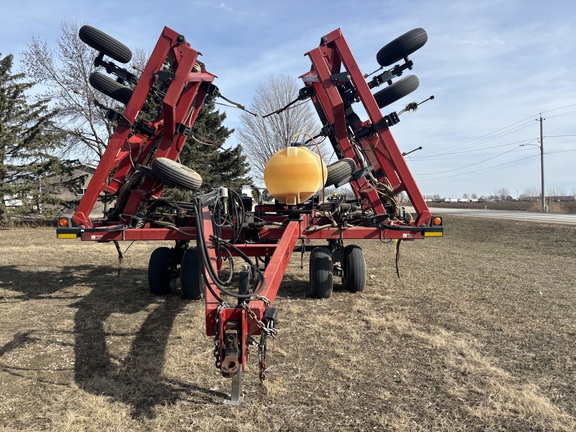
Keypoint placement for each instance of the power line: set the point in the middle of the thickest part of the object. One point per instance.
(506, 130)
(558, 109)
(558, 136)
(473, 164)
(490, 136)
(466, 153)
(560, 151)
(483, 169)
(561, 115)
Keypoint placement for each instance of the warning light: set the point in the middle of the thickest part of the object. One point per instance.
(63, 222)
(437, 221)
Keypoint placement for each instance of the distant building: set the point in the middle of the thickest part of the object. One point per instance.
(55, 184)
(56, 188)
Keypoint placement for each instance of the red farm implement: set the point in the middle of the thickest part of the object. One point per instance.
(220, 227)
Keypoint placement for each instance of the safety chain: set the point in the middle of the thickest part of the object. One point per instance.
(267, 330)
(223, 305)
(262, 347)
(263, 299)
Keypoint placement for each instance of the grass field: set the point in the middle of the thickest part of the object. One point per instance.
(478, 334)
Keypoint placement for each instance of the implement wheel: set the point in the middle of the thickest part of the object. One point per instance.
(173, 173)
(340, 171)
(161, 271)
(402, 47)
(100, 41)
(191, 279)
(354, 265)
(110, 87)
(321, 276)
(397, 90)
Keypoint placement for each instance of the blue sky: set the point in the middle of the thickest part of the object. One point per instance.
(492, 66)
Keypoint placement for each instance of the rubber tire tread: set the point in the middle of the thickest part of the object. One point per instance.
(176, 173)
(354, 265)
(321, 275)
(104, 43)
(402, 46)
(340, 171)
(397, 90)
(159, 273)
(110, 87)
(191, 280)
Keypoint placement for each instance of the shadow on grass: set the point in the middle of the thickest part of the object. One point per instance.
(137, 379)
(99, 293)
(294, 287)
(32, 284)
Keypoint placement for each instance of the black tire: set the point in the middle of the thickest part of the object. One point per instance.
(100, 41)
(402, 47)
(321, 275)
(110, 87)
(172, 172)
(397, 90)
(160, 271)
(340, 172)
(354, 266)
(191, 279)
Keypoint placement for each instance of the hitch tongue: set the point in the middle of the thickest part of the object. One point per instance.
(230, 365)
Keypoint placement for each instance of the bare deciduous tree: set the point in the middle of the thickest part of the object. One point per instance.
(531, 192)
(64, 72)
(557, 191)
(502, 194)
(262, 137)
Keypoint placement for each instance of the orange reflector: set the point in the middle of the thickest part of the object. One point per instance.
(63, 222)
(437, 221)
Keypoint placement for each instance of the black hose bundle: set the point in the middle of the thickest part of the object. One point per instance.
(219, 218)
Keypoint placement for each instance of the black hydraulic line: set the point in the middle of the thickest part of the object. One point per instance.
(237, 105)
(201, 246)
(204, 255)
(246, 258)
(303, 94)
(397, 259)
(255, 268)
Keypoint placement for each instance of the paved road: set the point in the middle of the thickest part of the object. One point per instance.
(556, 218)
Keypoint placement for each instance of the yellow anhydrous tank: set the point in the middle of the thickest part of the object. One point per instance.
(294, 174)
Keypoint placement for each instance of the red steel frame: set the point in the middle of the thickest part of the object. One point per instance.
(125, 150)
(327, 61)
(181, 105)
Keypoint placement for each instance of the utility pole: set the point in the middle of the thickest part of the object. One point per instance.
(543, 195)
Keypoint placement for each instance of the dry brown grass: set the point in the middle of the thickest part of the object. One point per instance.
(478, 334)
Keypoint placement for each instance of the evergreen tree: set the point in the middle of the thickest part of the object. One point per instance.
(28, 139)
(203, 152)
